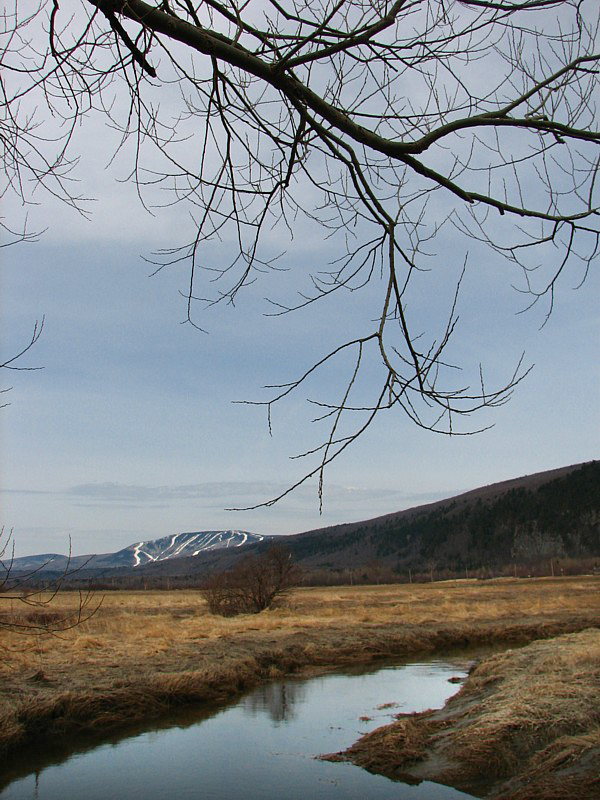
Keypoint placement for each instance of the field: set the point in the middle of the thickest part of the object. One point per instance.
(144, 652)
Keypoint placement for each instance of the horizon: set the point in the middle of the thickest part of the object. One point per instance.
(259, 533)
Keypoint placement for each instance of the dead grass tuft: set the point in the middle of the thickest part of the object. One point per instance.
(391, 749)
(566, 768)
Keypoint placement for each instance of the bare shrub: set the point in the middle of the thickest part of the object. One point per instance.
(29, 589)
(253, 584)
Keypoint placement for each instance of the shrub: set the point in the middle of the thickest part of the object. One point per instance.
(253, 584)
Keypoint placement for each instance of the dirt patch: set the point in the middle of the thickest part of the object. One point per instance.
(525, 725)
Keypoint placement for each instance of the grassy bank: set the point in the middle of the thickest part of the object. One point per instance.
(525, 725)
(143, 653)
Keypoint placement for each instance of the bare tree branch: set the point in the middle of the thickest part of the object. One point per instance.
(377, 125)
(30, 590)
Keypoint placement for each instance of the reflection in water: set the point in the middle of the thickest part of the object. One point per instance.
(260, 748)
(277, 699)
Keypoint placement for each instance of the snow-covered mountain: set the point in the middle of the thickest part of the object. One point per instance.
(184, 544)
(168, 547)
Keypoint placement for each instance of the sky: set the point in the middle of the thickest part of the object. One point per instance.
(132, 428)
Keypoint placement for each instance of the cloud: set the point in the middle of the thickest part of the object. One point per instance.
(26, 491)
(112, 493)
(359, 501)
(218, 492)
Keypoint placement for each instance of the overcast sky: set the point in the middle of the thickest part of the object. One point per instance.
(130, 431)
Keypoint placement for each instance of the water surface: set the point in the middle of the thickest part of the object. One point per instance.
(261, 747)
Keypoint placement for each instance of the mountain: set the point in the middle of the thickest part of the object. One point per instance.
(179, 545)
(549, 515)
(527, 525)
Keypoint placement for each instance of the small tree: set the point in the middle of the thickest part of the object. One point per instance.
(253, 584)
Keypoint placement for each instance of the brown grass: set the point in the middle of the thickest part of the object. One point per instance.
(140, 626)
(526, 725)
(528, 699)
(144, 652)
(567, 768)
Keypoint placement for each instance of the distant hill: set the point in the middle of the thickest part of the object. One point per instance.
(525, 522)
(549, 520)
(179, 545)
(549, 515)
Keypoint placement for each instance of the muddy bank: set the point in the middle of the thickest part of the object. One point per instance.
(43, 704)
(525, 725)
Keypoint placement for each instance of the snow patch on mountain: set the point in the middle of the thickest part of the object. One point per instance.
(178, 545)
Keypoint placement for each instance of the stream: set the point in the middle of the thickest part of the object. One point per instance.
(260, 747)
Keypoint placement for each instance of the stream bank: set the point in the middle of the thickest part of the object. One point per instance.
(525, 726)
(37, 705)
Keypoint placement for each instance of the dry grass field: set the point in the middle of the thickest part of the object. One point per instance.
(144, 652)
(141, 626)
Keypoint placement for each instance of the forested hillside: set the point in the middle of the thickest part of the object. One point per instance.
(521, 523)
